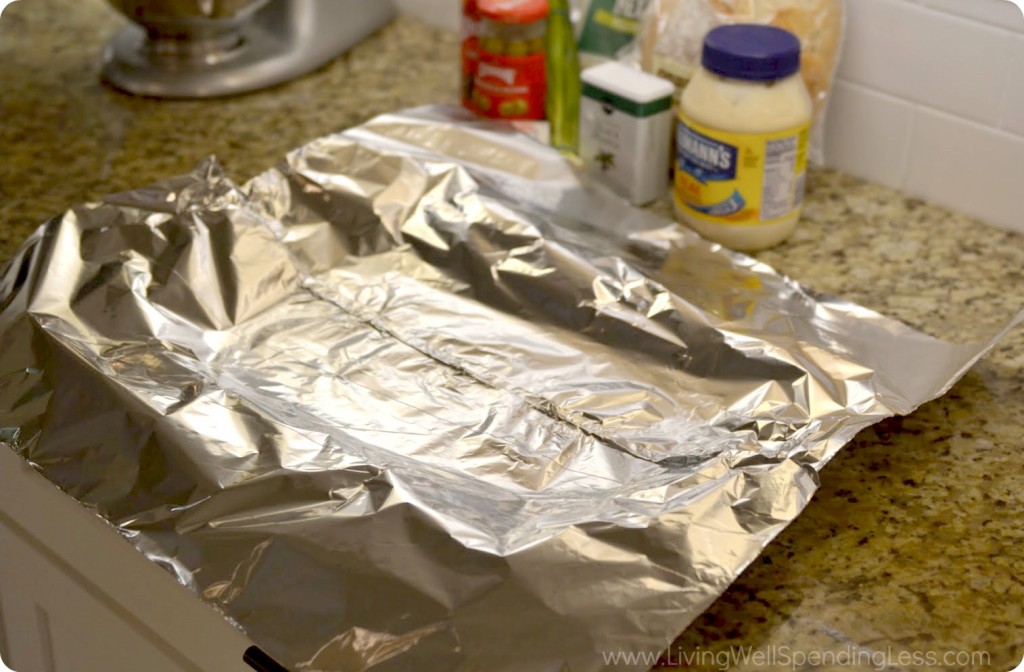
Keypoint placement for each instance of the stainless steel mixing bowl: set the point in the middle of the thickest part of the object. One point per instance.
(196, 28)
(204, 48)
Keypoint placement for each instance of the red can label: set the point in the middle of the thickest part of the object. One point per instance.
(509, 87)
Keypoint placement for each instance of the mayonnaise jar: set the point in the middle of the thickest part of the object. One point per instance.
(741, 140)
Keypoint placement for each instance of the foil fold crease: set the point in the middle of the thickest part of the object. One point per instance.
(421, 397)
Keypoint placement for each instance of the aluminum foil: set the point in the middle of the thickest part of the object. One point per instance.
(420, 398)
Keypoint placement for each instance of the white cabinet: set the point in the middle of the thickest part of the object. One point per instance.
(76, 597)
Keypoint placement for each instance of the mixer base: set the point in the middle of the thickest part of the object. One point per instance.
(282, 41)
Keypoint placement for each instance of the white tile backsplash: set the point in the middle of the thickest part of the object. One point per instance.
(969, 167)
(869, 133)
(930, 98)
(1001, 13)
(927, 56)
(1011, 117)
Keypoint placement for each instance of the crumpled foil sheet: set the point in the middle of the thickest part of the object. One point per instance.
(421, 399)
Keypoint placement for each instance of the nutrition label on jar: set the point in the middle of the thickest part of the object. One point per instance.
(739, 179)
(779, 195)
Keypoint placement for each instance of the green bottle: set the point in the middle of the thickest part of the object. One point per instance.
(563, 76)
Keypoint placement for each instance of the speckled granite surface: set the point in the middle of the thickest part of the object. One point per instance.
(915, 543)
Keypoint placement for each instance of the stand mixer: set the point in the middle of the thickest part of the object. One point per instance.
(206, 48)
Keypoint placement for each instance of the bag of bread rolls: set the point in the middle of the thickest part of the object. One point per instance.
(672, 37)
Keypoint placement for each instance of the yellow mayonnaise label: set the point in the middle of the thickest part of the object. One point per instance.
(739, 178)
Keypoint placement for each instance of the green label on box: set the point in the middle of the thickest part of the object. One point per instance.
(611, 25)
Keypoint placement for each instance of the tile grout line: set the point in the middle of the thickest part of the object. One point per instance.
(919, 107)
(972, 19)
(908, 146)
(1016, 53)
(1000, 41)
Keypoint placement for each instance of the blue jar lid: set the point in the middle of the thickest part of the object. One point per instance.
(751, 51)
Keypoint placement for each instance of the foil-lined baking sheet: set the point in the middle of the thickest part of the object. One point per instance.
(420, 398)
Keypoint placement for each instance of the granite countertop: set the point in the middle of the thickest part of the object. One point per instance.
(915, 541)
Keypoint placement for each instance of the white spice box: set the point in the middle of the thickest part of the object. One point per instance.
(626, 130)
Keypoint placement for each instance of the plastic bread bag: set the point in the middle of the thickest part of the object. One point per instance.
(672, 36)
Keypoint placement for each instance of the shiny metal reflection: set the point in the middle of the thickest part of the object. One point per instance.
(420, 398)
(206, 48)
